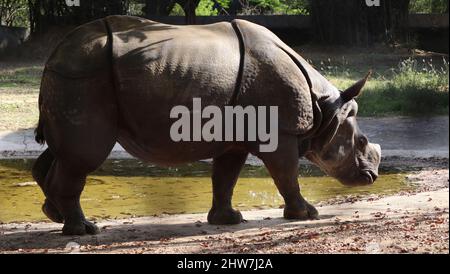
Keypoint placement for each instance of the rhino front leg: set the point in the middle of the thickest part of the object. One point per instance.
(283, 167)
(226, 169)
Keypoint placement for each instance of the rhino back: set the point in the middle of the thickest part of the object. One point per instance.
(157, 67)
(172, 64)
(82, 53)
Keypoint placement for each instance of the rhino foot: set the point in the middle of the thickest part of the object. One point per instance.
(82, 228)
(51, 212)
(224, 217)
(305, 212)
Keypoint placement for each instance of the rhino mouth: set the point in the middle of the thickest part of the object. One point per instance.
(369, 175)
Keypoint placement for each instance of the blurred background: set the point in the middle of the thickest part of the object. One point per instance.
(409, 23)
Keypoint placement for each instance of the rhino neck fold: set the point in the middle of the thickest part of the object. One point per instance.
(327, 127)
(111, 58)
(239, 79)
(129, 125)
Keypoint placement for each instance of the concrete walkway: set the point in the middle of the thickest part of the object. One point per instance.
(398, 136)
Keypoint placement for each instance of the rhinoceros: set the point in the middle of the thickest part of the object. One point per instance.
(116, 79)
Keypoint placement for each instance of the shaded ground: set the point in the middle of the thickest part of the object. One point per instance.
(404, 223)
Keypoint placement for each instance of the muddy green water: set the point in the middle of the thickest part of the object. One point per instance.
(125, 188)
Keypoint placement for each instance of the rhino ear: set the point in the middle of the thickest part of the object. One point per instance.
(354, 90)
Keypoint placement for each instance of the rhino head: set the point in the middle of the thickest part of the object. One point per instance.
(340, 149)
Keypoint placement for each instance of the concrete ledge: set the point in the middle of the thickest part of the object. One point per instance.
(402, 137)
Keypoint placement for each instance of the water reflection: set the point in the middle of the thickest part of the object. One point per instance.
(124, 188)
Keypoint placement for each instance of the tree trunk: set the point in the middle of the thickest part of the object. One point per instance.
(235, 7)
(158, 7)
(353, 22)
(189, 7)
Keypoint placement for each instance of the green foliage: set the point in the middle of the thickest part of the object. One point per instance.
(205, 8)
(208, 8)
(135, 8)
(14, 13)
(428, 6)
(290, 7)
(224, 3)
(294, 7)
(177, 10)
(416, 88)
(268, 6)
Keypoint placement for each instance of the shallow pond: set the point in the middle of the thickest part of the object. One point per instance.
(125, 188)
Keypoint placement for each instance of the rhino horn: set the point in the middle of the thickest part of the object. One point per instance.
(355, 89)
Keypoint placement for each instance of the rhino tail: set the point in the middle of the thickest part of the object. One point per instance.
(39, 132)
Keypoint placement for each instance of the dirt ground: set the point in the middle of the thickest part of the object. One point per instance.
(409, 222)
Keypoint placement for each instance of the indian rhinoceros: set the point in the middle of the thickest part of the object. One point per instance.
(116, 79)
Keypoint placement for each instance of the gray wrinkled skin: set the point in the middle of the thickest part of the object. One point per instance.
(348, 156)
(116, 80)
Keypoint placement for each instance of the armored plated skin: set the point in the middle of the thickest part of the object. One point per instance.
(173, 64)
(117, 79)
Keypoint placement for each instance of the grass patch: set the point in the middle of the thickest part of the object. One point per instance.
(18, 111)
(19, 89)
(415, 87)
(21, 77)
(413, 90)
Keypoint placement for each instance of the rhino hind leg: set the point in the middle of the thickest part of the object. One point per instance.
(66, 178)
(283, 167)
(65, 185)
(40, 170)
(79, 125)
(226, 169)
